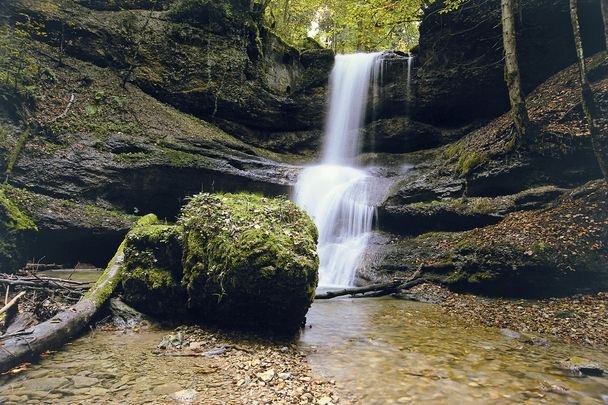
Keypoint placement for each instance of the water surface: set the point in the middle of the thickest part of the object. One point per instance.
(391, 351)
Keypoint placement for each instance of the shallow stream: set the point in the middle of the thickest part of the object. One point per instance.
(384, 351)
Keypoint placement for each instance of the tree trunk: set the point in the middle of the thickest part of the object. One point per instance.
(590, 108)
(604, 4)
(512, 76)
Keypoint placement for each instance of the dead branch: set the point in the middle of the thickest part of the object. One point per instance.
(65, 112)
(12, 302)
(62, 327)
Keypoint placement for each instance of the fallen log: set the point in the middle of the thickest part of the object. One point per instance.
(52, 334)
(43, 283)
(49, 335)
(358, 290)
(377, 290)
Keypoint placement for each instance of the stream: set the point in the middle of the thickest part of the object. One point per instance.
(382, 351)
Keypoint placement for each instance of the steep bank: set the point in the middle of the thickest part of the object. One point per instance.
(534, 237)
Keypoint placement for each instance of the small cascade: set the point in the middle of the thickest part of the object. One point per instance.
(335, 192)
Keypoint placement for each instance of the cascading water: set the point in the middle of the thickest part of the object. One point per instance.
(335, 192)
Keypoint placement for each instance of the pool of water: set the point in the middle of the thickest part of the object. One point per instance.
(391, 351)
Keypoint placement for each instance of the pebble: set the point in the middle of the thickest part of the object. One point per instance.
(166, 389)
(185, 396)
(266, 376)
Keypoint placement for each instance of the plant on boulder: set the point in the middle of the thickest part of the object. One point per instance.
(249, 261)
(237, 260)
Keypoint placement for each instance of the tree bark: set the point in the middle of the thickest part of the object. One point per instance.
(604, 4)
(590, 108)
(512, 75)
(27, 345)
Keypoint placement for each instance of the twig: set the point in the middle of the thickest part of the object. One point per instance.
(67, 109)
(12, 302)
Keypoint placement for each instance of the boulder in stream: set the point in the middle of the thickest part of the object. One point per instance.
(238, 260)
(249, 260)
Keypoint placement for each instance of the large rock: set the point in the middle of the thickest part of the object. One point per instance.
(249, 261)
(233, 259)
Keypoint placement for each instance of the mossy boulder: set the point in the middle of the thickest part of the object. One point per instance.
(16, 233)
(249, 261)
(236, 260)
(152, 271)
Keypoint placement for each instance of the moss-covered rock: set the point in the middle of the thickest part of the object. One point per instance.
(239, 260)
(152, 271)
(16, 232)
(249, 261)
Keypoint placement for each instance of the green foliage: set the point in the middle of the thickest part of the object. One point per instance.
(348, 25)
(16, 152)
(18, 68)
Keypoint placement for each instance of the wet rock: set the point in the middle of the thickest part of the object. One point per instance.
(511, 334)
(582, 366)
(45, 383)
(83, 382)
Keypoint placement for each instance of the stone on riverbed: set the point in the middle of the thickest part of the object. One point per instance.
(238, 260)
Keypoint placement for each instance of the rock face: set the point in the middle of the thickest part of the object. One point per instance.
(458, 65)
(233, 259)
(16, 229)
(211, 59)
(63, 227)
(554, 251)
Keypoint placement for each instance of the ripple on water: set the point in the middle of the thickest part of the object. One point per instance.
(393, 351)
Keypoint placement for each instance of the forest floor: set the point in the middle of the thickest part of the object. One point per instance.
(579, 319)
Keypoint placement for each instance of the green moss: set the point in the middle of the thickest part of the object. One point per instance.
(462, 160)
(249, 260)
(16, 230)
(12, 159)
(152, 271)
(104, 291)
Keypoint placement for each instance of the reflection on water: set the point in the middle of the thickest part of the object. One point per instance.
(389, 351)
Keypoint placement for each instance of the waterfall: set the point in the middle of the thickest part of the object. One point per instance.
(335, 192)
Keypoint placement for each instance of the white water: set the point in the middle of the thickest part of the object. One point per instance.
(335, 193)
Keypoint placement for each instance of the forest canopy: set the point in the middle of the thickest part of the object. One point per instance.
(348, 25)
